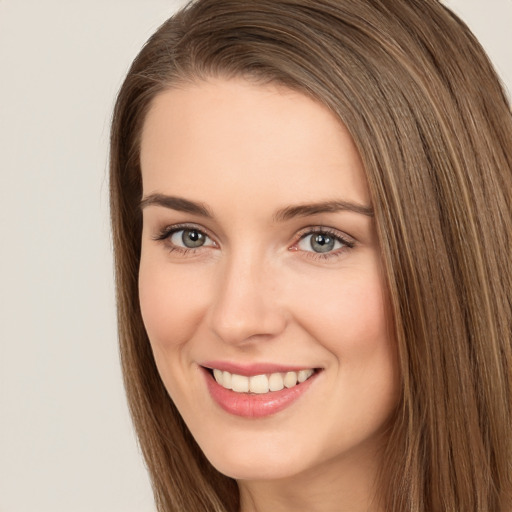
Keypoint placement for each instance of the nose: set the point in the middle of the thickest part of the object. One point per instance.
(246, 306)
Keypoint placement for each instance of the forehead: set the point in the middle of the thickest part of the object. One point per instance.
(261, 141)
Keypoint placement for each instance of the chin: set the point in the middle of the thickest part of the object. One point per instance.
(258, 470)
(253, 460)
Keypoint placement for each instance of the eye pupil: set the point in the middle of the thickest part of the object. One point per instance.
(322, 242)
(192, 238)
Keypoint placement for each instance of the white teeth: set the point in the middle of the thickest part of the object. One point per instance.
(261, 384)
(275, 382)
(290, 379)
(218, 376)
(304, 375)
(226, 380)
(258, 384)
(240, 383)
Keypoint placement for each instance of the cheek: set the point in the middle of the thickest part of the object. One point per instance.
(171, 308)
(351, 321)
(346, 312)
(171, 305)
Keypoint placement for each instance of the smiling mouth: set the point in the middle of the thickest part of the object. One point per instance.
(263, 383)
(261, 392)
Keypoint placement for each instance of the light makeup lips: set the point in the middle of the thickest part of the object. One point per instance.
(258, 390)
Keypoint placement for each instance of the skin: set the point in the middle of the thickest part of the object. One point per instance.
(258, 292)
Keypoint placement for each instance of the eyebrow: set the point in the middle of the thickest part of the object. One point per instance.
(176, 203)
(302, 210)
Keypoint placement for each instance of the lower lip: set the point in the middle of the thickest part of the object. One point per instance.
(249, 405)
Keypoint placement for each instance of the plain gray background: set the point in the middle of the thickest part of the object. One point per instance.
(66, 442)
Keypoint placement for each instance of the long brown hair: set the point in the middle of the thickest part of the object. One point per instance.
(434, 130)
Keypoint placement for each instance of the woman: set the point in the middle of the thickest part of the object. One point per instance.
(311, 207)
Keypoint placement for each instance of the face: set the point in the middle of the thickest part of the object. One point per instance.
(260, 281)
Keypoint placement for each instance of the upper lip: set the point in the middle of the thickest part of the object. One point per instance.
(251, 369)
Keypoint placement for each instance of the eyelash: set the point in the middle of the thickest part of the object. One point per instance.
(167, 232)
(347, 243)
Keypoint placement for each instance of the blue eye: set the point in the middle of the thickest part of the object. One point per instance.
(322, 242)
